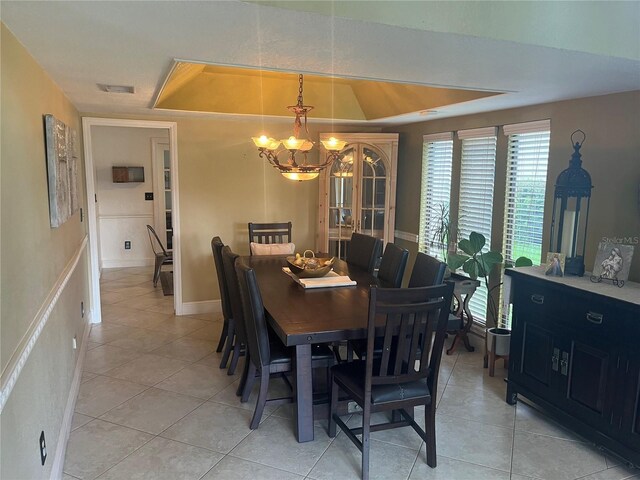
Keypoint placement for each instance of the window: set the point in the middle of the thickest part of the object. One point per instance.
(527, 159)
(475, 211)
(437, 157)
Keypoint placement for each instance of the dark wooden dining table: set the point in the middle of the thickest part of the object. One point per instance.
(302, 317)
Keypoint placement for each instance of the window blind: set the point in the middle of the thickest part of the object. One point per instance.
(437, 159)
(528, 155)
(526, 182)
(477, 176)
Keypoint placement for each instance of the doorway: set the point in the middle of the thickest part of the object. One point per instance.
(168, 132)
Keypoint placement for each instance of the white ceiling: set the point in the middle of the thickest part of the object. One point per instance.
(81, 44)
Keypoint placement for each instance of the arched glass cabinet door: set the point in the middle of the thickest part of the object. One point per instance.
(341, 205)
(357, 193)
(373, 202)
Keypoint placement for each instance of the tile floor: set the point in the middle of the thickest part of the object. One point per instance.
(153, 404)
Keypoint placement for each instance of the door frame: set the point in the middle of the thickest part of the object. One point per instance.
(94, 267)
(157, 145)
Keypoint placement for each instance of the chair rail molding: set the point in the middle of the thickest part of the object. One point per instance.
(21, 354)
(409, 237)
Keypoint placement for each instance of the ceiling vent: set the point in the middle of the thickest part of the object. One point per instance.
(116, 88)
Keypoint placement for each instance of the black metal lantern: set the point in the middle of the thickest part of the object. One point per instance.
(571, 211)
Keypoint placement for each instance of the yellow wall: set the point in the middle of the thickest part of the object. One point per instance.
(33, 257)
(223, 185)
(610, 155)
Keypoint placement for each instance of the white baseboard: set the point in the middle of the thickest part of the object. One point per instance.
(125, 262)
(196, 308)
(65, 428)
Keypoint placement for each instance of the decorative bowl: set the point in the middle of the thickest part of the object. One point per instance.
(310, 267)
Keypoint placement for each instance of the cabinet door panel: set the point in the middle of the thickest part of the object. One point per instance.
(536, 362)
(589, 378)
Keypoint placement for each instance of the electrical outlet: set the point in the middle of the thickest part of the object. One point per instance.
(148, 195)
(43, 448)
(127, 244)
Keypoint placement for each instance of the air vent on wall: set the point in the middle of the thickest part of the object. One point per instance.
(116, 88)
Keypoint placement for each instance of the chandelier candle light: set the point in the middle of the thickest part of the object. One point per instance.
(268, 147)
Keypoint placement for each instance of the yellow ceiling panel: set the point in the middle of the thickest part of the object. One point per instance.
(232, 90)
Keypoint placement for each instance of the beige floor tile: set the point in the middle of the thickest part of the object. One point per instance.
(228, 397)
(141, 319)
(144, 340)
(101, 394)
(210, 332)
(474, 376)
(163, 459)
(212, 425)
(106, 357)
(150, 300)
(237, 468)
(97, 446)
(182, 325)
(403, 436)
(200, 381)
(343, 460)
(187, 349)
(484, 406)
(87, 376)
(474, 442)
(214, 316)
(147, 369)
(554, 458)
(275, 445)
(92, 345)
(79, 420)
(152, 411)
(112, 297)
(111, 313)
(450, 469)
(108, 332)
(213, 360)
(530, 420)
(615, 473)
(66, 476)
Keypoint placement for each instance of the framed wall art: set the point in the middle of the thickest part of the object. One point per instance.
(62, 170)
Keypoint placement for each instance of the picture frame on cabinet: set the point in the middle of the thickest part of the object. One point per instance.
(613, 261)
(555, 264)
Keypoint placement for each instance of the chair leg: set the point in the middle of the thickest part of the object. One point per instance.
(248, 385)
(231, 333)
(430, 430)
(366, 425)
(262, 399)
(245, 371)
(333, 395)
(156, 272)
(236, 356)
(223, 335)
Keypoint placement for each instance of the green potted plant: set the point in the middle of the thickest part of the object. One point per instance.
(478, 264)
(443, 232)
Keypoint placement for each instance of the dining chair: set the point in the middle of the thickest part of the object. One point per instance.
(226, 337)
(414, 321)
(278, 232)
(239, 339)
(266, 354)
(392, 266)
(162, 256)
(364, 251)
(427, 271)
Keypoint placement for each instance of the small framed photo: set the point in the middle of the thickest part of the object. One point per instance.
(555, 264)
(613, 261)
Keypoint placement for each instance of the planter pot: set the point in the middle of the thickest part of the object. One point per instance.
(498, 341)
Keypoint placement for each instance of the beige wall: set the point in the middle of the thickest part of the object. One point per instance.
(33, 256)
(123, 213)
(224, 185)
(610, 155)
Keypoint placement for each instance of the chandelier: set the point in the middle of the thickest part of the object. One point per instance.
(269, 147)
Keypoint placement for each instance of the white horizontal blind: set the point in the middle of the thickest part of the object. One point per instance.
(527, 160)
(437, 159)
(477, 177)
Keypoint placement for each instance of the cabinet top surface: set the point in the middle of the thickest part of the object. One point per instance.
(630, 293)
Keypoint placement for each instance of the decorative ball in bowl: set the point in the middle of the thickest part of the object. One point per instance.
(309, 266)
